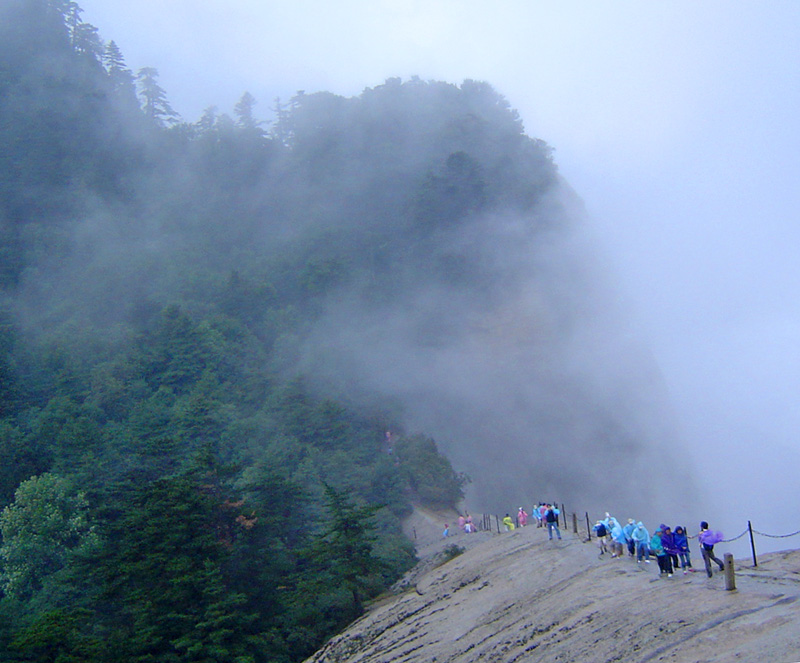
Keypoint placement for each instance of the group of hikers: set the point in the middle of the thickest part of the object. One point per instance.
(545, 515)
(669, 547)
(465, 524)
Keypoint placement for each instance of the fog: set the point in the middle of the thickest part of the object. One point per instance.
(677, 126)
(525, 372)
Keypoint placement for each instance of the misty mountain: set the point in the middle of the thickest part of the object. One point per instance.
(247, 340)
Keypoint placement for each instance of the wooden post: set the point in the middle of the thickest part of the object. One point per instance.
(564, 514)
(588, 528)
(415, 533)
(497, 522)
(730, 579)
(752, 543)
(574, 523)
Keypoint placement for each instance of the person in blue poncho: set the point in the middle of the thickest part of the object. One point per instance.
(628, 531)
(641, 538)
(657, 547)
(618, 540)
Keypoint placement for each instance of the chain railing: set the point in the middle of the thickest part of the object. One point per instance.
(776, 536)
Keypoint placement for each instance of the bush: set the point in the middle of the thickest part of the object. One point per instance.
(452, 551)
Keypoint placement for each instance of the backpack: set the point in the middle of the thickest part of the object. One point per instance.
(550, 516)
(601, 530)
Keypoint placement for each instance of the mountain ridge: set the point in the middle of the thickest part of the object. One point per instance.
(518, 597)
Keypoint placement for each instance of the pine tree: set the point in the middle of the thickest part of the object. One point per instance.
(163, 576)
(122, 78)
(86, 41)
(154, 99)
(208, 120)
(244, 114)
(345, 548)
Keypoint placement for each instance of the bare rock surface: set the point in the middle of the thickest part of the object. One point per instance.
(518, 597)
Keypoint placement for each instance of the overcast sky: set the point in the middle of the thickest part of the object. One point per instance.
(678, 123)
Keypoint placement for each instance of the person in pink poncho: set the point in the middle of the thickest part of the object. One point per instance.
(522, 517)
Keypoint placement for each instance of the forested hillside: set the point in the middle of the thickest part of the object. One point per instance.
(227, 346)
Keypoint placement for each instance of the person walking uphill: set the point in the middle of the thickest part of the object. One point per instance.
(628, 531)
(551, 518)
(707, 540)
(668, 541)
(682, 544)
(618, 540)
(657, 546)
(641, 538)
(601, 532)
(508, 523)
(522, 517)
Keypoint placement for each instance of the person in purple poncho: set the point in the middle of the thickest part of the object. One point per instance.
(707, 540)
(682, 543)
(670, 547)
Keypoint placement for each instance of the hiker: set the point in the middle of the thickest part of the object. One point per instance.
(628, 530)
(551, 518)
(610, 522)
(522, 517)
(446, 532)
(657, 547)
(618, 540)
(707, 540)
(668, 541)
(641, 538)
(508, 523)
(601, 532)
(682, 544)
(461, 522)
(542, 511)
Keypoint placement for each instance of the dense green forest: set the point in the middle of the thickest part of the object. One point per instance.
(182, 477)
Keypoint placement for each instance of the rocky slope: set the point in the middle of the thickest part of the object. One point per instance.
(518, 597)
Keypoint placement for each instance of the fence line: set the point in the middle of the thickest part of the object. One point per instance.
(776, 536)
(735, 538)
